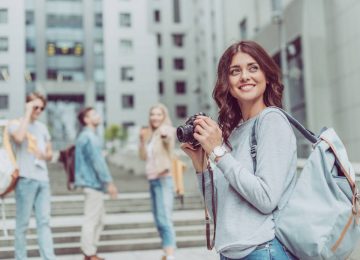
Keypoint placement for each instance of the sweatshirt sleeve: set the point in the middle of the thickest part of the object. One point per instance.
(276, 148)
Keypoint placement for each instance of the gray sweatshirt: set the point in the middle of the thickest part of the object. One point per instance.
(245, 200)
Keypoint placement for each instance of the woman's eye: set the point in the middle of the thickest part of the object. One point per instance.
(253, 68)
(234, 72)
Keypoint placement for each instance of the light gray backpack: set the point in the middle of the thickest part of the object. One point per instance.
(321, 218)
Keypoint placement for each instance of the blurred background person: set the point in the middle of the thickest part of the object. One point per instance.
(156, 147)
(93, 175)
(32, 149)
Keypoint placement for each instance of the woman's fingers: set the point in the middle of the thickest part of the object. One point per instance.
(186, 146)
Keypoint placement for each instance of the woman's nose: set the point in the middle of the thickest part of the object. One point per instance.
(244, 75)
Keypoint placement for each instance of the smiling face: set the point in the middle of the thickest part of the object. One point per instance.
(247, 80)
(157, 117)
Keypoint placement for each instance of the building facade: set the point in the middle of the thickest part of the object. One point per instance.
(130, 61)
(62, 48)
(12, 58)
(172, 23)
(122, 56)
(322, 57)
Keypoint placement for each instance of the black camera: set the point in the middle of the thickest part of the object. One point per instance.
(185, 133)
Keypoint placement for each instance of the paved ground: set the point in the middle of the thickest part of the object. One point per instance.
(181, 254)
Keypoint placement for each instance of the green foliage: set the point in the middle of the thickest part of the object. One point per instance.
(115, 132)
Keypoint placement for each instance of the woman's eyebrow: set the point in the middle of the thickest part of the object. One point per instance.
(249, 64)
(234, 66)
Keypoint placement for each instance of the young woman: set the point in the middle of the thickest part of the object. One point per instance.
(247, 90)
(156, 147)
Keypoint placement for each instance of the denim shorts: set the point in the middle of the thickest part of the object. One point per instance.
(273, 250)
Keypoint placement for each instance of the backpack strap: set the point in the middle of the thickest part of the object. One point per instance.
(253, 144)
(8, 147)
(304, 131)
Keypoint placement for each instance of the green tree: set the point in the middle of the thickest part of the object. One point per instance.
(115, 134)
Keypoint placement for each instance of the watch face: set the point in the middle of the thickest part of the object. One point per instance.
(219, 151)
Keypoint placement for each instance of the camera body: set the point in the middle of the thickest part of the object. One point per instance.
(185, 133)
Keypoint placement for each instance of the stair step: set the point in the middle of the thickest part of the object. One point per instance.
(111, 246)
(130, 202)
(107, 235)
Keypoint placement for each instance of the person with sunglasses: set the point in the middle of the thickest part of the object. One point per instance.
(32, 146)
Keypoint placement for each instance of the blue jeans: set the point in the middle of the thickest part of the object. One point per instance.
(32, 194)
(162, 200)
(272, 250)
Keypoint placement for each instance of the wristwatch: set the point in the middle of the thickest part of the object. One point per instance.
(218, 151)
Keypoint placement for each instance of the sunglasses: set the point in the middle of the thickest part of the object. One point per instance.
(39, 108)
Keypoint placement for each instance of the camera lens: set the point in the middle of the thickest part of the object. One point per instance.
(184, 133)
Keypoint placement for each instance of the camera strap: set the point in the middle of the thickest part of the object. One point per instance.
(210, 244)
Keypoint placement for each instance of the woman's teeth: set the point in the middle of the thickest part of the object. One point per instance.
(247, 87)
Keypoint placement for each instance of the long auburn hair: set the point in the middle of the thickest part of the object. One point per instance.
(229, 110)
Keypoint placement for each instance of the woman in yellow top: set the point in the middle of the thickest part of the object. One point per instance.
(156, 148)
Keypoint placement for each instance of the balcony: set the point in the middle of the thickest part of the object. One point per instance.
(65, 62)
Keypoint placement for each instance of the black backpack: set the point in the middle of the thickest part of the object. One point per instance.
(67, 158)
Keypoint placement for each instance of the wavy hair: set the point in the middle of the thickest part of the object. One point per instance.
(36, 95)
(229, 110)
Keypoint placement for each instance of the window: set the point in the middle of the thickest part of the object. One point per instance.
(157, 17)
(98, 47)
(98, 20)
(30, 75)
(33, 76)
(161, 87)
(4, 102)
(160, 63)
(178, 40)
(64, 21)
(179, 64)
(181, 111)
(30, 45)
(243, 29)
(99, 75)
(4, 72)
(128, 124)
(127, 101)
(30, 19)
(180, 87)
(126, 45)
(125, 20)
(158, 39)
(4, 44)
(3, 16)
(176, 5)
(127, 73)
(65, 74)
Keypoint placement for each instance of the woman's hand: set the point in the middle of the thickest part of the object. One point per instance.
(208, 133)
(197, 156)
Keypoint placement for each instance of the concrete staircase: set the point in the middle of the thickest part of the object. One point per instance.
(128, 226)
